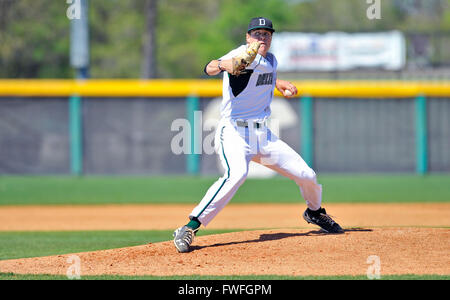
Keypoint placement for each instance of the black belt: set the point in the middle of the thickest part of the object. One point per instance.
(245, 124)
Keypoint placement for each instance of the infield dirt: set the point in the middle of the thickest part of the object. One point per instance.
(404, 238)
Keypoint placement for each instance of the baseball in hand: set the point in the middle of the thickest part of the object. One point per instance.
(287, 93)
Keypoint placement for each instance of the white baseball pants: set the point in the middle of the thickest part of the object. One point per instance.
(237, 146)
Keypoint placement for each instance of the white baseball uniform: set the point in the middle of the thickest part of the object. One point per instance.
(242, 136)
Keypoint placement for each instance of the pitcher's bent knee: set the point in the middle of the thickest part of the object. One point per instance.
(309, 174)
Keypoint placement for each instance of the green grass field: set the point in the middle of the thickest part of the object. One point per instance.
(10, 276)
(44, 243)
(178, 189)
(124, 190)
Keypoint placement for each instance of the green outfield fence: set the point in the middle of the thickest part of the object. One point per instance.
(123, 126)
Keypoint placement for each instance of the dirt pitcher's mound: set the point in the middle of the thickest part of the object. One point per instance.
(277, 252)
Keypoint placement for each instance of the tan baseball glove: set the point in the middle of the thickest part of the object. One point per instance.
(241, 61)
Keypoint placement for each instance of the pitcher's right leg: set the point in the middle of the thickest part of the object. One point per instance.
(234, 156)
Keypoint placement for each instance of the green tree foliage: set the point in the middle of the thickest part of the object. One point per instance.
(116, 38)
(34, 39)
(35, 34)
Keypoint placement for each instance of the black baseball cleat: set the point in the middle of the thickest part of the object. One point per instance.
(321, 219)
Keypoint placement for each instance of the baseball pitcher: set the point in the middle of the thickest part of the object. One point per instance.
(249, 80)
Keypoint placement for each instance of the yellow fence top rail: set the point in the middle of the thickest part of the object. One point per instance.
(213, 88)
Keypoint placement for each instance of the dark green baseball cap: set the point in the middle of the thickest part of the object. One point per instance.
(260, 23)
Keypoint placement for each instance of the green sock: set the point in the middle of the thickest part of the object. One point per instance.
(194, 224)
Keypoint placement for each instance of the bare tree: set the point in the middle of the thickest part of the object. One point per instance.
(149, 57)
